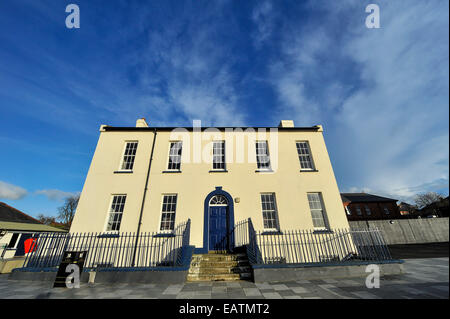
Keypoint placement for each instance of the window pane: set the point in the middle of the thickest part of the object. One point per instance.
(317, 212)
(116, 212)
(129, 155)
(304, 155)
(269, 212)
(168, 212)
(262, 155)
(175, 155)
(13, 241)
(219, 155)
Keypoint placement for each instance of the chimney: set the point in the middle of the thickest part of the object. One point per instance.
(286, 123)
(141, 123)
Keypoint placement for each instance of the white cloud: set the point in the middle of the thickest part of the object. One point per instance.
(55, 194)
(298, 66)
(167, 59)
(263, 18)
(12, 192)
(195, 73)
(381, 93)
(399, 122)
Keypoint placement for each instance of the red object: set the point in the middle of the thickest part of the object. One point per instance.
(30, 245)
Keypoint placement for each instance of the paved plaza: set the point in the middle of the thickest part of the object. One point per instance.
(423, 278)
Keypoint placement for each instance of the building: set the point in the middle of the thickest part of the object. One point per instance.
(407, 210)
(150, 179)
(436, 209)
(17, 232)
(362, 206)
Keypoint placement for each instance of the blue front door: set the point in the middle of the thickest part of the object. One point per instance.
(218, 228)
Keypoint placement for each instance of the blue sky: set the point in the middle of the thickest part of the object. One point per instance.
(381, 94)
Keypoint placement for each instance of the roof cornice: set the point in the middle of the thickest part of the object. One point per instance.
(106, 128)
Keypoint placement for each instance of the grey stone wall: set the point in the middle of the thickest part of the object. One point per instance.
(409, 231)
(325, 272)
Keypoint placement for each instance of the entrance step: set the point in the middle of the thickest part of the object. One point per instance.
(218, 277)
(214, 257)
(219, 267)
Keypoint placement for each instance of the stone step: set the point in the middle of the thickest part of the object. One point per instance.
(218, 257)
(219, 267)
(219, 270)
(219, 277)
(232, 263)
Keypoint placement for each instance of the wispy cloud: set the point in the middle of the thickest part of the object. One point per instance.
(263, 17)
(398, 120)
(169, 74)
(381, 93)
(55, 194)
(191, 78)
(12, 192)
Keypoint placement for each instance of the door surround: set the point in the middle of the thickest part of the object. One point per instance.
(217, 191)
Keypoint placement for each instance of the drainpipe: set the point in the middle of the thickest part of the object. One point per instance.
(143, 198)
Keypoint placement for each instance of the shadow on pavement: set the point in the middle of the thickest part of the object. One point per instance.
(408, 251)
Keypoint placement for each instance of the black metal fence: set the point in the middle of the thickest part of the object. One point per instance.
(309, 247)
(112, 251)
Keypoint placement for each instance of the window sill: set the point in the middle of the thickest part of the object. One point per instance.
(264, 171)
(171, 172)
(164, 235)
(109, 235)
(218, 171)
(123, 172)
(322, 231)
(308, 171)
(272, 232)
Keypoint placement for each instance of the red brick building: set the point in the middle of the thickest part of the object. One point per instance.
(362, 206)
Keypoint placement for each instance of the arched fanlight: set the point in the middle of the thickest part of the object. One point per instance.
(218, 200)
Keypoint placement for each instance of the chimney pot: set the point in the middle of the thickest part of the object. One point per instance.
(141, 123)
(286, 123)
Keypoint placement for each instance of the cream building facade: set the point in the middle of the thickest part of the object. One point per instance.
(149, 179)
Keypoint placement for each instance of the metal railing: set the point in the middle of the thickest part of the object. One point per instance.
(3, 250)
(112, 251)
(309, 246)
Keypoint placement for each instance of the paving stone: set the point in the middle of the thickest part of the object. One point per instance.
(185, 295)
(272, 295)
(299, 290)
(279, 287)
(172, 290)
(233, 284)
(425, 278)
(264, 286)
(443, 288)
(219, 296)
(330, 281)
(365, 295)
(219, 289)
(252, 292)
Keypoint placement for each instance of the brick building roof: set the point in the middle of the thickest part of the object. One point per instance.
(364, 198)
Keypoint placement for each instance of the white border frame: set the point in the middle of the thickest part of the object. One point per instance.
(276, 212)
(324, 212)
(268, 169)
(123, 155)
(168, 156)
(308, 145)
(161, 212)
(108, 212)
